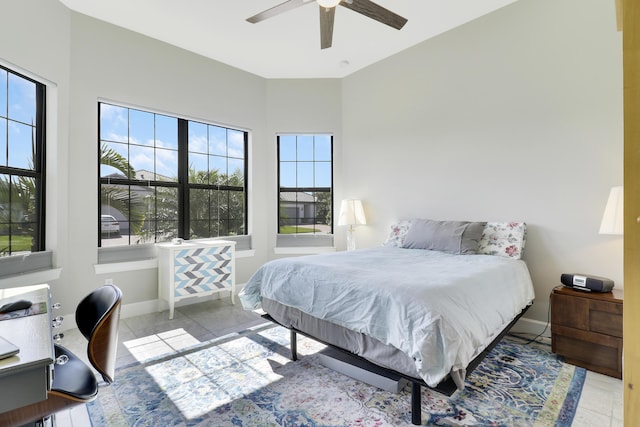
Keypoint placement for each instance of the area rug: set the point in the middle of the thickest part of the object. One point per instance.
(249, 380)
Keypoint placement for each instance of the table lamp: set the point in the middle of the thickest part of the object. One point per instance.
(612, 220)
(351, 214)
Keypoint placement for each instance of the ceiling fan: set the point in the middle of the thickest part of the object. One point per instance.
(327, 13)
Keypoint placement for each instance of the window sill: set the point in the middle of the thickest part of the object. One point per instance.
(145, 264)
(23, 279)
(303, 250)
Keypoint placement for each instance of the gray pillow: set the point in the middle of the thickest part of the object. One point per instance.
(455, 237)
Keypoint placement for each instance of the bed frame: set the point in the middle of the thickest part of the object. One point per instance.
(446, 386)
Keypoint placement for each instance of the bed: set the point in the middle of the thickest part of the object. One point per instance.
(428, 304)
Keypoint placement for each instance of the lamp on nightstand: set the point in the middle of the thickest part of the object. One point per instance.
(351, 213)
(612, 220)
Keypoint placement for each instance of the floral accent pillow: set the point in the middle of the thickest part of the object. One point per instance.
(503, 239)
(397, 233)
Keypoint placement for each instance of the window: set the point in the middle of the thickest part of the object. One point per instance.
(22, 175)
(305, 184)
(163, 177)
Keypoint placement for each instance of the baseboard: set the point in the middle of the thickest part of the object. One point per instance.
(156, 305)
(530, 328)
(144, 307)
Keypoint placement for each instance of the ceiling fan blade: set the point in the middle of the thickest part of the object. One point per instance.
(326, 26)
(377, 12)
(277, 10)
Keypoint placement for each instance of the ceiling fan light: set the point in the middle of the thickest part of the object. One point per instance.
(328, 3)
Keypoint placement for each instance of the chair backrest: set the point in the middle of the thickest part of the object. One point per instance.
(98, 319)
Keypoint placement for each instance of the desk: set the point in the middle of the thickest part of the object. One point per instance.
(26, 377)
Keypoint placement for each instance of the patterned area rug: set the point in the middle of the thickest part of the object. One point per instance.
(249, 380)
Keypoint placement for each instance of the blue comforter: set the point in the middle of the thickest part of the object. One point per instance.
(440, 309)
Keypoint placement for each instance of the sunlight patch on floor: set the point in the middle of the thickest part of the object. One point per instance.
(158, 345)
(202, 381)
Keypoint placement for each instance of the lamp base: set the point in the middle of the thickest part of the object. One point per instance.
(351, 239)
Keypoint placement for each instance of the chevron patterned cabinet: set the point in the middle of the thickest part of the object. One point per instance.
(195, 269)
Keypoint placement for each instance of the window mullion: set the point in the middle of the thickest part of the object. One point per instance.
(183, 178)
(40, 161)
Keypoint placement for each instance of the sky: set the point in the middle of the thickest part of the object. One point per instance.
(17, 120)
(305, 160)
(153, 142)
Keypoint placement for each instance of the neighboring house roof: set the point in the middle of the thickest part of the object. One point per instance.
(297, 197)
(115, 175)
(150, 176)
(142, 175)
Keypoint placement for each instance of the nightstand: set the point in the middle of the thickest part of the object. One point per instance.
(586, 329)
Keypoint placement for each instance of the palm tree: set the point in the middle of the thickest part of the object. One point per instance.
(118, 197)
(17, 207)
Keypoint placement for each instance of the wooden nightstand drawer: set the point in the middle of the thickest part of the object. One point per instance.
(606, 306)
(586, 329)
(569, 311)
(606, 323)
(599, 357)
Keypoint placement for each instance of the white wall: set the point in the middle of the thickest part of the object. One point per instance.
(515, 116)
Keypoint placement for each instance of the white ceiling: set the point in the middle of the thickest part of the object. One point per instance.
(287, 45)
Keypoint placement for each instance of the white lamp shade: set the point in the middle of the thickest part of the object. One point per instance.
(612, 220)
(351, 213)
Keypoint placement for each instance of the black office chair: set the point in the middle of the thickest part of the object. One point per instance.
(74, 383)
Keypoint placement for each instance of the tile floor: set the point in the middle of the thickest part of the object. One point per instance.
(601, 403)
